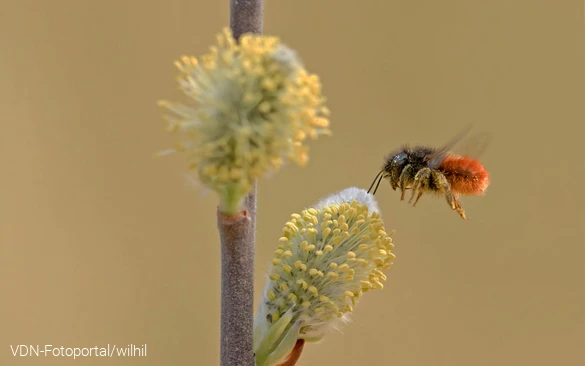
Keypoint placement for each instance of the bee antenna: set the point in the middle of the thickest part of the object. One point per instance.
(378, 178)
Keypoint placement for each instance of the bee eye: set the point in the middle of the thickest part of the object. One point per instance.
(399, 159)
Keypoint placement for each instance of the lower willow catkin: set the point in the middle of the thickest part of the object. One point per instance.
(328, 257)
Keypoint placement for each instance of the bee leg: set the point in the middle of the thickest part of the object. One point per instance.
(460, 209)
(452, 199)
(420, 179)
(417, 198)
(405, 177)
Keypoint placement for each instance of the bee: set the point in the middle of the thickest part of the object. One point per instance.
(436, 170)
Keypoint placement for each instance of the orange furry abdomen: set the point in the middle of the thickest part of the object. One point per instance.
(467, 176)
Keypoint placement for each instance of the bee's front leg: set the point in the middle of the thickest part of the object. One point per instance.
(406, 177)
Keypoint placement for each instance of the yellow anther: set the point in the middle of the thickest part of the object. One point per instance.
(333, 275)
(313, 290)
(303, 284)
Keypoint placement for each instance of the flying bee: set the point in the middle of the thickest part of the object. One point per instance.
(436, 170)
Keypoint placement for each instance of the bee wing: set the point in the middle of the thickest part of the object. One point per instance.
(436, 157)
(474, 146)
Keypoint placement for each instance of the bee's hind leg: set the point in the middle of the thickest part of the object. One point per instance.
(452, 199)
(420, 179)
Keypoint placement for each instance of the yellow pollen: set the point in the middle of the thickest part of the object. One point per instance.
(319, 252)
(292, 297)
(326, 232)
(333, 265)
(283, 286)
(319, 309)
(275, 317)
(270, 294)
(288, 253)
(274, 277)
(378, 284)
(298, 264)
(303, 284)
(333, 275)
(292, 227)
(328, 248)
(351, 254)
(324, 298)
(276, 261)
(366, 284)
(313, 290)
(363, 247)
(313, 272)
(286, 268)
(306, 304)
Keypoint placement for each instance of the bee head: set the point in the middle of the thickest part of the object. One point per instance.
(394, 166)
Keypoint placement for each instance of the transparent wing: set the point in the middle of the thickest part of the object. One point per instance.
(472, 146)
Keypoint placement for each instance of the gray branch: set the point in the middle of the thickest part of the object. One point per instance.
(246, 16)
(237, 235)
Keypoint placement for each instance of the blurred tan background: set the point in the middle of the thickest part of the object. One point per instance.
(100, 243)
